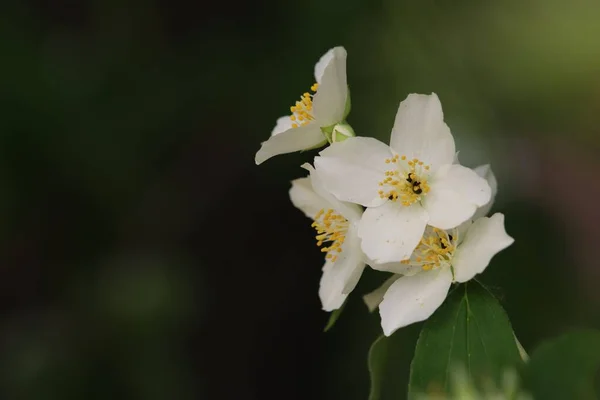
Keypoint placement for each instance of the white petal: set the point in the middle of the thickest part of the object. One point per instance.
(305, 198)
(462, 230)
(340, 277)
(283, 124)
(352, 212)
(322, 64)
(392, 231)
(373, 299)
(413, 298)
(329, 102)
(455, 194)
(352, 169)
(330, 290)
(456, 160)
(420, 131)
(485, 171)
(395, 267)
(295, 139)
(353, 260)
(483, 240)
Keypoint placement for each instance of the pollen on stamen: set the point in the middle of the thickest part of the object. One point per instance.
(435, 250)
(331, 228)
(302, 110)
(406, 181)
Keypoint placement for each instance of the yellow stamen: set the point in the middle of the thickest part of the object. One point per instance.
(331, 228)
(302, 110)
(435, 250)
(410, 182)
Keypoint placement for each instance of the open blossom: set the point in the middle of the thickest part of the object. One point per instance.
(335, 223)
(314, 114)
(373, 299)
(422, 282)
(406, 186)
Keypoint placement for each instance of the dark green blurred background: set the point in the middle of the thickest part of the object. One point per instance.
(144, 255)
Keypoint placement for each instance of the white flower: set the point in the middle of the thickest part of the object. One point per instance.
(407, 185)
(336, 225)
(325, 108)
(422, 282)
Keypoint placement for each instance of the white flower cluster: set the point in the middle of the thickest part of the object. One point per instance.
(408, 208)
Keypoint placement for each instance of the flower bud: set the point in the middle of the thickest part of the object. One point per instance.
(338, 132)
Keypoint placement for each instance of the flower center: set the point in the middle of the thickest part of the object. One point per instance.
(331, 228)
(302, 111)
(435, 250)
(406, 182)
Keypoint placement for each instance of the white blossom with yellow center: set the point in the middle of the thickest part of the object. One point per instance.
(406, 186)
(335, 223)
(421, 283)
(324, 106)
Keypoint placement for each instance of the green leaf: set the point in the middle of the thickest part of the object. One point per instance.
(389, 363)
(470, 330)
(333, 317)
(565, 367)
(377, 354)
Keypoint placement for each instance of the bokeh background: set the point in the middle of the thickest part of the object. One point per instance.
(143, 255)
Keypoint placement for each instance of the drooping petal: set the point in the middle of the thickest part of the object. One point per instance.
(340, 277)
(485, 171)
(305, 198)
(413, 298)
(295, 139)
(420, 131)
(351, 170)
(330, 290)
(391, 231)
(329, 102)
(352, 212)
(354, 264)
(483, 240)
(283, 124)
(455, 193)
(373, 299)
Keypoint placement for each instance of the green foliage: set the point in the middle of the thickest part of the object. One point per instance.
(565, 367)
(388, 363)
(470, 330)
(377, 355)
